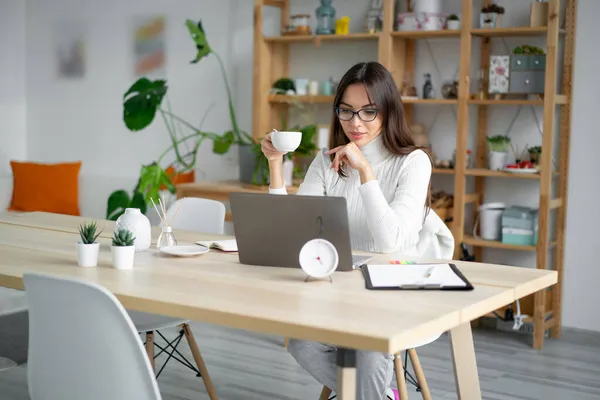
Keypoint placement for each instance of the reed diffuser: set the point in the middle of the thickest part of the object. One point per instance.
(166, 237)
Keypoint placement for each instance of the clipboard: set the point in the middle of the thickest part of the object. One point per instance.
(444, 276)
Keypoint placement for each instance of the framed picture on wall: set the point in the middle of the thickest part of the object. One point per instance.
(322, 135)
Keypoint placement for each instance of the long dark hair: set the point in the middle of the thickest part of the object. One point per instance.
(384, 93)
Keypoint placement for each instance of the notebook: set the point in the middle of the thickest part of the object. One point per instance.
(223, 245)
(415, 277)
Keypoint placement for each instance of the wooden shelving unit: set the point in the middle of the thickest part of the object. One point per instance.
(396, 51)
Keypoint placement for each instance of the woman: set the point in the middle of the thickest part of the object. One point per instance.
(373, 162)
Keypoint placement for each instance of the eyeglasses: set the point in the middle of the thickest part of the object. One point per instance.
(365, 114)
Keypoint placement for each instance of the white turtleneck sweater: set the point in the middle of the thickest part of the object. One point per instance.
(385, 215)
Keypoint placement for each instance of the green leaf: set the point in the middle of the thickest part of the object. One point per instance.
(197, 32)
(307, 143)
(138, 202)
(152, 177)
(222, 143)
(117, 203)
(141, 102)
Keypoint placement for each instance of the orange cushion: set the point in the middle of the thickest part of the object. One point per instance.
(177, 178)
(46, 187)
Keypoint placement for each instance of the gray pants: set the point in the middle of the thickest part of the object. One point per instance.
(374, 370)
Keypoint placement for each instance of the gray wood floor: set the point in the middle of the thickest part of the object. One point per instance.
(248, 366)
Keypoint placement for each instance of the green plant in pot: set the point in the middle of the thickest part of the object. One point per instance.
(147, 98)
(88, 248)
(498, 151)
(123, 249)
(305, 152)
(535, 153)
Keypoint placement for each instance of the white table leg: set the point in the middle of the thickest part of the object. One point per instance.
(465, 365)
(346, 367)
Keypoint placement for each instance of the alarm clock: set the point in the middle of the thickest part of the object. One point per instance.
(318, 258)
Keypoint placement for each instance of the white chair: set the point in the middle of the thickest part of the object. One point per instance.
(193, 214)
(198, 214)
(65, 316)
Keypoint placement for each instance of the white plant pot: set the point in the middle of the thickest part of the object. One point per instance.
(87, 254)
(139, 225)
(497, 160)
(123, 256)
(453, 25)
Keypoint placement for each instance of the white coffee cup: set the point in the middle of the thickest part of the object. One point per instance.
(286, 141)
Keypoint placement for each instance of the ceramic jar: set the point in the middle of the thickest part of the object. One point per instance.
(139, 225)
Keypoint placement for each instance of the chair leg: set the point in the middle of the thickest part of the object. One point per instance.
(400, 380)
(325, 393)
(212, 393)
(414, 360)
(150, 348)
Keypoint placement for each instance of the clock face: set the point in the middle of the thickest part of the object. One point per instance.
(319, 258)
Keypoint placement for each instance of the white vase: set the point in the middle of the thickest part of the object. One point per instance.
(123, 256)
(139, 225)
(453, 25)
(497, 160)
(87, 254)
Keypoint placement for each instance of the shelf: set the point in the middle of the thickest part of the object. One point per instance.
(499, 174)
(429, 101)
(282, 99)
(311, 38)
(507, 102)
(443, 171)
(427, 34)
(493, 244)
(510, 32)
(559, 99)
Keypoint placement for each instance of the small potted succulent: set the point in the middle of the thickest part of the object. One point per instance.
(498, 151)
(535, 153)
(88, 248)
(123, 249)
(453, 22)
(491, 16)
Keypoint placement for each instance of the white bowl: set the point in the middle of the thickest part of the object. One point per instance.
(286, 141)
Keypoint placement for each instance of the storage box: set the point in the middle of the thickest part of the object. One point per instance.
(424, 21)
(499, 74)
(518, 217)
(516, 236)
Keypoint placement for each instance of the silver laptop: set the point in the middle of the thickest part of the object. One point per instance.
(271, 229)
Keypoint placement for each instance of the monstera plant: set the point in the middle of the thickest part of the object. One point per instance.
(141, 103)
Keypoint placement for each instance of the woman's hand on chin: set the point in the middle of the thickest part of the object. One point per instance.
(348, 154)
(351, 155)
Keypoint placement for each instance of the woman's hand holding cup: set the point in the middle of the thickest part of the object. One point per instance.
(276, 144)
(269, 150)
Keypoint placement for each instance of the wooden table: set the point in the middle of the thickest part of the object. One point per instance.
(216, 288)
(220, 190)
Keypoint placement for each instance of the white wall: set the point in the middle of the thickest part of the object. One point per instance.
(13, 107)
(81, 119)
(581, 294)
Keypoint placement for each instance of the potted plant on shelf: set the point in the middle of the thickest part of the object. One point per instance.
(453, 22)
(535, 153)
(88, 248)
(498, 151)
(123, 249)
(491, 16)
